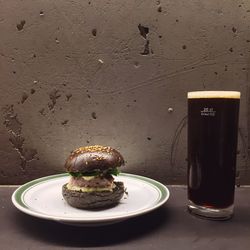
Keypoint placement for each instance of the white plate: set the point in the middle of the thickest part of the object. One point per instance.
(43, 198)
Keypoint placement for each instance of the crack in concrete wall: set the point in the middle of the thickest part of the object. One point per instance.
(14, 128)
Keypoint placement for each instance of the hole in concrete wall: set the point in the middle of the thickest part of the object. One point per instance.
(143, 31)
(42, 111)
(231, 50)
(159, 9)
(32, 91)
(94, 32)
(24, 97)
(149, 138)
(100, 61)
(184, 46)
(146, 49)
(234, 30)
(64, 122)
(136, 64)
(20, 25)
(170, 110)
(41, 13)
(53, 96)
(68, 96)
(94, 116)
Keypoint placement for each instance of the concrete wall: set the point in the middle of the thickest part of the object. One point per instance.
(77, 73)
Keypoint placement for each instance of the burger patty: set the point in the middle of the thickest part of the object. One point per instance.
(91, 182)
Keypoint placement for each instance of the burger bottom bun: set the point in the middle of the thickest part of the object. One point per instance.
(92, 200)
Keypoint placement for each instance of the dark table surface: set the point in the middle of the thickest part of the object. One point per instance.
(169, 227)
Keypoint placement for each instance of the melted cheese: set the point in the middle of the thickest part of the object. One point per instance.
(85, 189)
(88, 178)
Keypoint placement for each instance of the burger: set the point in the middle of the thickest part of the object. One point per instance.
(91, 184)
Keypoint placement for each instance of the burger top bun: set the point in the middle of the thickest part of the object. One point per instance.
(85, 159)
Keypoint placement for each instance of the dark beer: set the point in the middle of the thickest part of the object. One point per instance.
(212, 145)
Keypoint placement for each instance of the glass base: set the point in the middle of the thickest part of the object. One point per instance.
(211, 213)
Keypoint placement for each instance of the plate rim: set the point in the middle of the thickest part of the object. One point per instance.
(18, 194)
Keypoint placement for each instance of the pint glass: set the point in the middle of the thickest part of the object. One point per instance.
(212, 147)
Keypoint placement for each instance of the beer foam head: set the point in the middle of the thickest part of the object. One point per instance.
(214, 94)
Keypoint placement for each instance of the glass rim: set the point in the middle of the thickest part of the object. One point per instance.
(213, 94)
